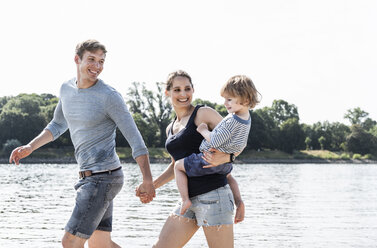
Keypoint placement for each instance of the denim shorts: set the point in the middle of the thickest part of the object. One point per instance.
(194, 166)
(210, 209)
(94, 204)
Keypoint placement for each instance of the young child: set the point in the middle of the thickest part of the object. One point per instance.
(229, 136)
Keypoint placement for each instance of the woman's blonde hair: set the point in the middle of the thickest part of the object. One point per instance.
(241, 87)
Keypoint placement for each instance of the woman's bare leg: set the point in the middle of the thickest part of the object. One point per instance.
(219, 236)
(176, 232)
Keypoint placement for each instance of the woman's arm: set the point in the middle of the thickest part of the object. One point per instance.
(168, 173)
(240, 206)
(165, 176)
(208, 116)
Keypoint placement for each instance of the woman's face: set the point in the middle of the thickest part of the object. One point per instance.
(180, 92)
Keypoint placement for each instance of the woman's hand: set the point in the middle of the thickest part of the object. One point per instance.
(240, 212)
(215, 157)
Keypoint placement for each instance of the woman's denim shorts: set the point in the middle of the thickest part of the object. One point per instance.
(210, 209)
(94, 204)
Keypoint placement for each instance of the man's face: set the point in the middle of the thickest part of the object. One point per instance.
(91, 65)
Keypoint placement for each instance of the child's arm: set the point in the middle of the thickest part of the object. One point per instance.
(203, 130)
(240, 211)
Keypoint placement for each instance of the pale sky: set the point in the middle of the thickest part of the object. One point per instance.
(319, 55)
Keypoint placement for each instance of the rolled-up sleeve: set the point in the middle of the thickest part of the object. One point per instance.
(58, 124)
(119, 113)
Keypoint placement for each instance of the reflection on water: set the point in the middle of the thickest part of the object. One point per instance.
(305, 205)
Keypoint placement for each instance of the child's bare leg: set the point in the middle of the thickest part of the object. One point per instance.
(181, 180)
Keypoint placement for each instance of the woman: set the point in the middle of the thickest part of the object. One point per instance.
(211, 195)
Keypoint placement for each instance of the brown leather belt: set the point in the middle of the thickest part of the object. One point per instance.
(88, 173)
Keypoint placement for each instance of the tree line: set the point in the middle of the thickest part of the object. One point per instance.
(277, 127)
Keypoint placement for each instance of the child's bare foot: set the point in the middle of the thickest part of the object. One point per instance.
(184, 206)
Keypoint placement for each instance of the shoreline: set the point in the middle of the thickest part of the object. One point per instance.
(69, 160)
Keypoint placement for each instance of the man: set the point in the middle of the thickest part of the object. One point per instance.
(92, 110)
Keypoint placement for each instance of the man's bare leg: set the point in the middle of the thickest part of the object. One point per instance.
(102, 239)
(72, 241)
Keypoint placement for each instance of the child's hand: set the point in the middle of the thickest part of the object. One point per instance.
(240, 213)
(202, 127)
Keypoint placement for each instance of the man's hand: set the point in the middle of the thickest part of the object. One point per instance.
(146, 192)
(240, 213)
(20, 153)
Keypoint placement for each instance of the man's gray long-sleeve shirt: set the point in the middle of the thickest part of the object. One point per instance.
(92, 115)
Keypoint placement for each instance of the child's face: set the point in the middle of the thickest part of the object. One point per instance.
(233, 105)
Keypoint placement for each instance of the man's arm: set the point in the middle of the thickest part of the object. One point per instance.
(146, 186)
(54, 129)
(23, 151)
(118, 112)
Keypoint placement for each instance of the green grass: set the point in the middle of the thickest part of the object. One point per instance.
(303, 154)
(266, 154)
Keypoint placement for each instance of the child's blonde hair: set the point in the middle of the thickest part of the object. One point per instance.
(241, 87)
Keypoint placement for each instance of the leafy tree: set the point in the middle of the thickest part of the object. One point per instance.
(282, 111)
(368, 124)
(148, 130)
(373, 131)
(258, 133)
(334, 135)
(3, 101)
(220, 108)
(360, 141)
(270, 127)
(356, 115)
(291, 136)
(321, 141)
(307, 142)
(153, 108)
(9, 145)
(338, 134)
(21, 119)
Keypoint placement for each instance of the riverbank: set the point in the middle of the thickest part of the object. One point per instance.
(159, 155)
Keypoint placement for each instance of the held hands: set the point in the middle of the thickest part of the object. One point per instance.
(146, 192)
(20, 153)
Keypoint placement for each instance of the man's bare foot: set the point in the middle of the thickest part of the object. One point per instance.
(186, 204)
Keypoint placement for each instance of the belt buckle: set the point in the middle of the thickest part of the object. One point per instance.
(83, 174)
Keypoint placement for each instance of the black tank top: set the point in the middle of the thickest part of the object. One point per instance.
(186, 142)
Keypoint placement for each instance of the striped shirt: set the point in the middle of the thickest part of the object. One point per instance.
(229, 136)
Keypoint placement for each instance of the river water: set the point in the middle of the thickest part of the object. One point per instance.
(287, 205)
